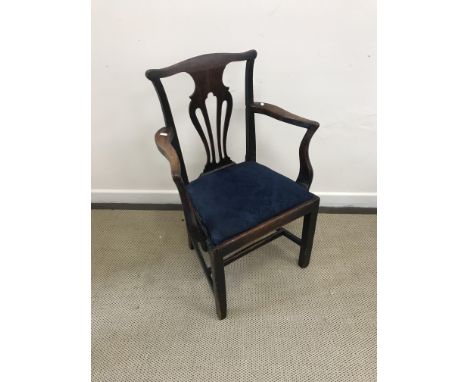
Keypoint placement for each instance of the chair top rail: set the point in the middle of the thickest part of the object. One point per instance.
(200, 63)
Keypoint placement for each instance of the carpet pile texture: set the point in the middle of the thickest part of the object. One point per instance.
(154, 319)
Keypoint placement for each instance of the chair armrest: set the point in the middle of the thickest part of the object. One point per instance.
(163, 139)
(306, 173)
(283, 115)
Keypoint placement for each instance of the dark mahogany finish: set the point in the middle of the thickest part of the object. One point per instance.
(207, 74)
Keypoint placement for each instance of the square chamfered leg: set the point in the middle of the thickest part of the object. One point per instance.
(308, 232)
(190, 242)
(219, 284)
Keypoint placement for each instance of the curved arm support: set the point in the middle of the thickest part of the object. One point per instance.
(306, 173)
(163, 139)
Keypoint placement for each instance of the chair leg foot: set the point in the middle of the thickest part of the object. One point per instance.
(219, 284)
(308, 232)
(190, 242)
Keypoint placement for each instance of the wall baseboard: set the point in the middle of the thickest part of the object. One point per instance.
(171, 197)
(178, 207)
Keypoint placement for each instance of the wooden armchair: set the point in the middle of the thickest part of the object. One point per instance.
(233, 209)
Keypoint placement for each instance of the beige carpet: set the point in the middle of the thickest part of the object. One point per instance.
(154, 319)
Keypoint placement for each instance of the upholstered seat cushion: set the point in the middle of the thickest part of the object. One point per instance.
(236, 198)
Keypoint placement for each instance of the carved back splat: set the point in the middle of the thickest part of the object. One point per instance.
(211, 81)
(207, 74)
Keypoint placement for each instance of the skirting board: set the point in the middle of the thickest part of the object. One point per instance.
(327, 199)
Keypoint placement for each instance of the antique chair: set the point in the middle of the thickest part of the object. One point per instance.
(232, 209)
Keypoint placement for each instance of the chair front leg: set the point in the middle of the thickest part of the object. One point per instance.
(308, 232)
(219, 284)
(190, 242)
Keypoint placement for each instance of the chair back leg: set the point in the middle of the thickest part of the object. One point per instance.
(219, 284)
(308, 232)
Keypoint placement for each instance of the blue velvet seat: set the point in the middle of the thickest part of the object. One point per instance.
(236, 198)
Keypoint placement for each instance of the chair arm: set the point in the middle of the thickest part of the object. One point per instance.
(306, 172)
(283, 115)
(163, 139)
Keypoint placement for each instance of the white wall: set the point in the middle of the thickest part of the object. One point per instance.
(315, 58)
